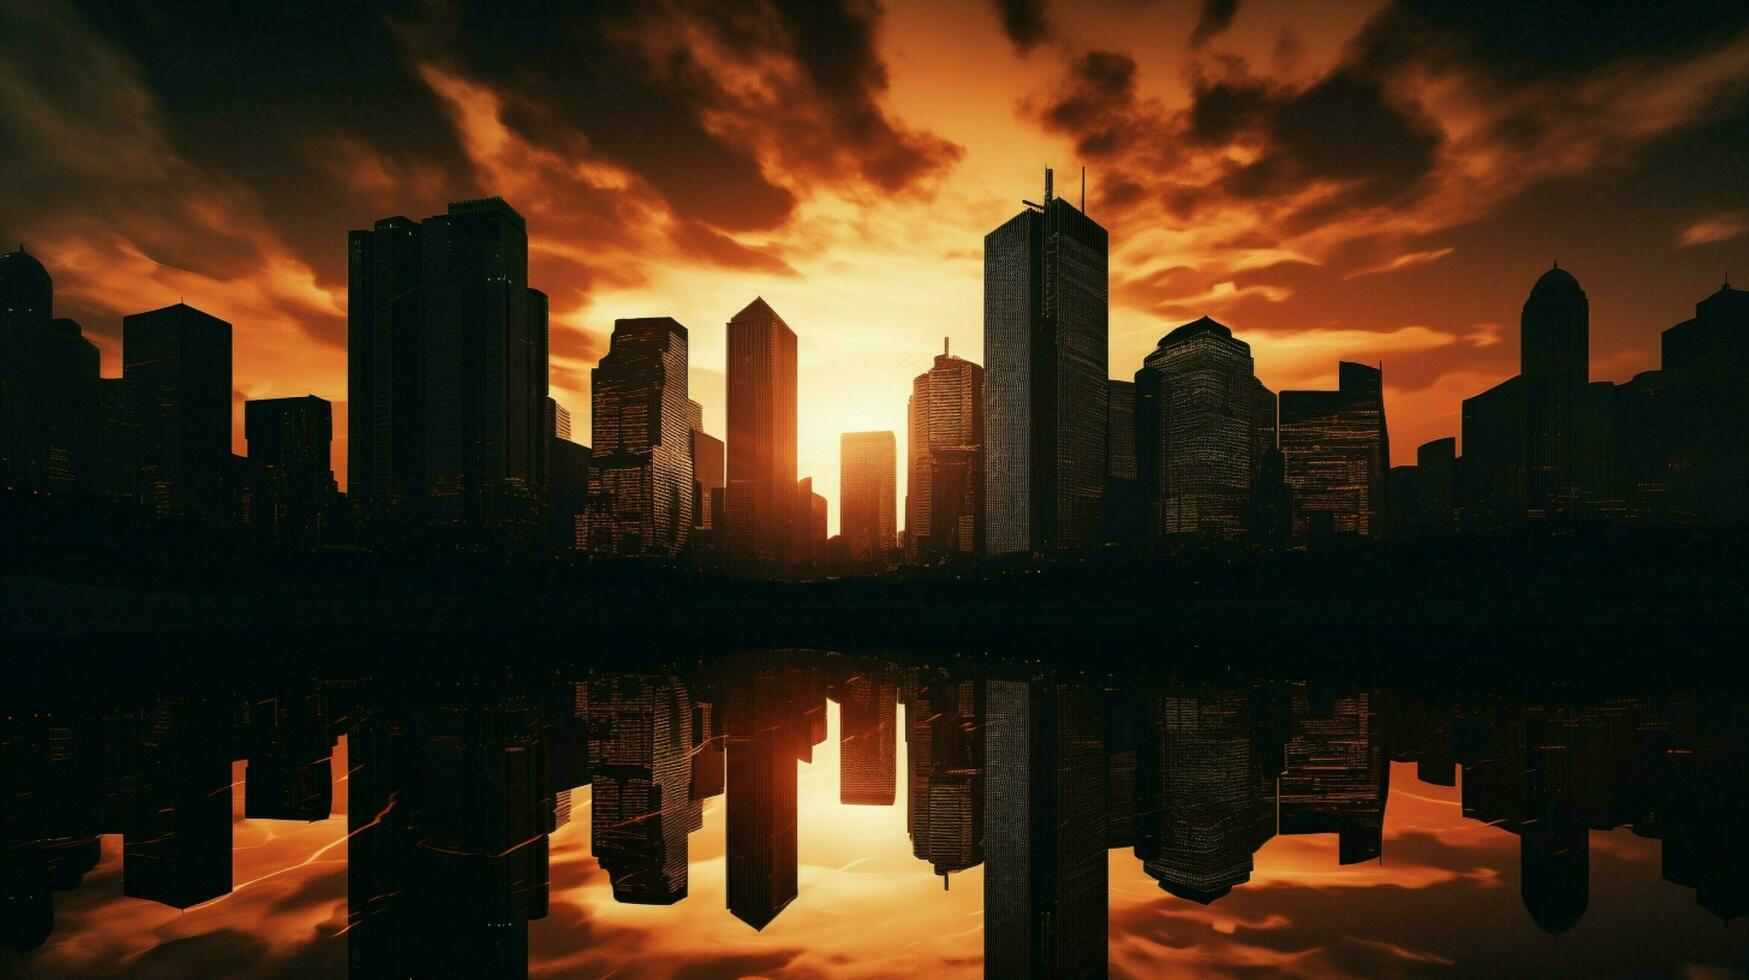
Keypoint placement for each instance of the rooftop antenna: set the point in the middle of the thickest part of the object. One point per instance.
(944, 347)
(1047, 187)
(1083, 189)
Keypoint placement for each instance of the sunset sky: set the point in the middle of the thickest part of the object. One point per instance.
(1373, 181)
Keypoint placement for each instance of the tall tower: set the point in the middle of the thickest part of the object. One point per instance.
(944, 491)
(761, 374)
(26, 299)
(385, 365)
(641, 473)
(1045, 347)
(867, 502)
(179, 361)
(1554, 361)
(485, 367)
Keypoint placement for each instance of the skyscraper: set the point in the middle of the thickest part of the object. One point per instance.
(26, 306)
(1335, 450)
(289, 455)
(641, 471)
(867, 506)
(1123, 499)
(485, 372)
(1491, 470)
(944, 486)
(761, 374)
(1555, 351)
(1045, 349)
(1204, 422)
(385, 381)
(1436, 466)
(1706, 369)
(179, 361)
(70, 406)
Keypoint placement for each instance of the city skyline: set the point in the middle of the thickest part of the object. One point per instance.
(1419, 271)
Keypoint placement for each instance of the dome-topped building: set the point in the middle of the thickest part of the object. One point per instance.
(1555, 353)
(25, 286)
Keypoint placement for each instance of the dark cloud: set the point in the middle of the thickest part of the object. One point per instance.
(1025, 22)
(265, 95)
(1342, 128)
(579, 77)
(1522, 42)
(1099, 106)
(1216, 16)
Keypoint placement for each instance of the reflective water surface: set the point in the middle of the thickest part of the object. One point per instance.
(809, 814)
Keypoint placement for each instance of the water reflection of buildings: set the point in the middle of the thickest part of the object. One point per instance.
(944, 809)
(641, 742)
(1205, 803)
(1045, 873)
(455, 786)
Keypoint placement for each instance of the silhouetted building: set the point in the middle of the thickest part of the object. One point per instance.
(1404, 497)
(1491, 471)
(1555, 367)
(1436, 466)
(1045, 876)
(485, 376)
(1335, 450)
(867, 505)
(120, 439)
(1123, 494)
(944, 486)
(707, 476)
(289, 447)
(1203, 423)
(760, 498)
(1646, 433)
(70, 409)
(26, 308)
(1706, 370)
(1045, 348)
(641, 473)
(385, 363)
(817, 557)
(178, 360)
(568, 493)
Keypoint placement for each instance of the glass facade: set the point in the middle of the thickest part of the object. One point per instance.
(762, 440)
(641, 481)
(867, 502)
(944, 501)
(1204, 423)
(1335, 452)
(1046, 350)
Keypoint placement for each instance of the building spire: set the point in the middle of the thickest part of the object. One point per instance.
(1047, 187)
(944, 347)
